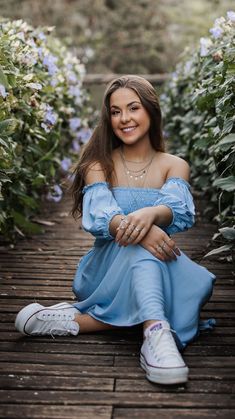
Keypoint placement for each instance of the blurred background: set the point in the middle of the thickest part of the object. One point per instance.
(121, 36)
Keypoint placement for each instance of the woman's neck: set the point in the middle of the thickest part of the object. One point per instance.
(137, 153)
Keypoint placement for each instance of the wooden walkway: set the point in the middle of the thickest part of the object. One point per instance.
(97, 376)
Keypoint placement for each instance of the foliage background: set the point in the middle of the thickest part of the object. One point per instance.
(44, 117)
(146, 35)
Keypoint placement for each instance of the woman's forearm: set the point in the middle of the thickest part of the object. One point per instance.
(163, 215)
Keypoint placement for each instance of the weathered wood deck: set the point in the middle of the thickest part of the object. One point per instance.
(97, 376)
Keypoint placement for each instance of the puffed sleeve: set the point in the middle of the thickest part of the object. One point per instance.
(176, 195)
(99, 207)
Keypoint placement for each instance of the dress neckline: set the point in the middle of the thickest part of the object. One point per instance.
(125, 188)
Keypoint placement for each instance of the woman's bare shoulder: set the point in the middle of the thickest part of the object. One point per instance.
(94, 173)
(175, 166)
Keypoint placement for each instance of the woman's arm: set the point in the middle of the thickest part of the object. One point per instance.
(160, 214)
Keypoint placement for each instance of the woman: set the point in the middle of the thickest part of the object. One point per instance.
(132, 196)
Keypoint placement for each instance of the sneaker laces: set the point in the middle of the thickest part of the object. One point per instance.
(162, 343)
(56, 323)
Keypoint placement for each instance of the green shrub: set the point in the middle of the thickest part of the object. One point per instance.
(44, 115)
(198, 105)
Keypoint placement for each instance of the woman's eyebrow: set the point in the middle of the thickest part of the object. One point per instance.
(129, 104)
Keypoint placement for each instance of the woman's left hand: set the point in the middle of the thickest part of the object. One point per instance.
(135, 226)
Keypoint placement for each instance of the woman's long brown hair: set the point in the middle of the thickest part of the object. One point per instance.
(103, 140)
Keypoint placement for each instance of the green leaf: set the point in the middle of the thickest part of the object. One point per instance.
(228, 125)
(28, 201)
(228, 233)
(226, 142)
(226, 183)
(26, 225)
(3, 79)
(8, 126)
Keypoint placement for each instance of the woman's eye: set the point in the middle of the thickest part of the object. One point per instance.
(114, 113)
(134, 108)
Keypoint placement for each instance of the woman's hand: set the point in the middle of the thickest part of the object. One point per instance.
(135, 226)
(157, 242)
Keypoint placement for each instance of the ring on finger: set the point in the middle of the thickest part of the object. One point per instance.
(138, 229)
(125, 220)
(159, 249)
(163, 245)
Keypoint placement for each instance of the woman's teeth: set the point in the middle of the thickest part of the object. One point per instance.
(128, 129)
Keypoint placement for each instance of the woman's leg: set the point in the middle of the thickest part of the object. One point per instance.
(89, 324)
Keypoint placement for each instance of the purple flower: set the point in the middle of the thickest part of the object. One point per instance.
(75, 146)
(231, 15)
(74, 124)
(65, 164)
(49, 61)
(41, 36)
(40, 52)
(216, 32)
(55, 194)
(72, 78)
(3, 92)
(74, 91)
(50, 117)
(84, 135)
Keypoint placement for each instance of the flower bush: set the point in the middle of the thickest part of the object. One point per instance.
(44, 118)
(198, 104)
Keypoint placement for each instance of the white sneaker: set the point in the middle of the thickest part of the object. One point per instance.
(160, 357)
(58, 319)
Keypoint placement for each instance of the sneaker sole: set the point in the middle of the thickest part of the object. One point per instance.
(164, 375)
(25, 314)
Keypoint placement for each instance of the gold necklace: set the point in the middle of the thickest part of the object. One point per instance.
(135, 174)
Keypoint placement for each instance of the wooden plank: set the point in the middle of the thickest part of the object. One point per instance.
(127, 413)
(25, 346)
(41, 369)
(14, 381)
(148, 399)
(199, 386)
(57, 358)
(23, 381)
(24, 411)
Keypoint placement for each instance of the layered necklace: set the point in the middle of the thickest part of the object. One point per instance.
(136, 174)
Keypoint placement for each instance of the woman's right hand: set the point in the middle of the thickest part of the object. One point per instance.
(157, 242)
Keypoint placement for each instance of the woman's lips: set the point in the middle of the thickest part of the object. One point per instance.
(128, 129)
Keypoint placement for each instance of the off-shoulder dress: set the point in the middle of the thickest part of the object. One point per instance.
(122, 286)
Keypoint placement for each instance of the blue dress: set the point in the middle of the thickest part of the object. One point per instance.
(120, 285)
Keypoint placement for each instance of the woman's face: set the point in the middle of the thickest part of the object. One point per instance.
(129, 119)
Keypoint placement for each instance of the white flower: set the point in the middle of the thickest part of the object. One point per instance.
(220, 21)
(205, 44)
(34, 86)
(3, 92)
(231, 15)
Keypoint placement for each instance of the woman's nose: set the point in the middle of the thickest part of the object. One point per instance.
(125, 117)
